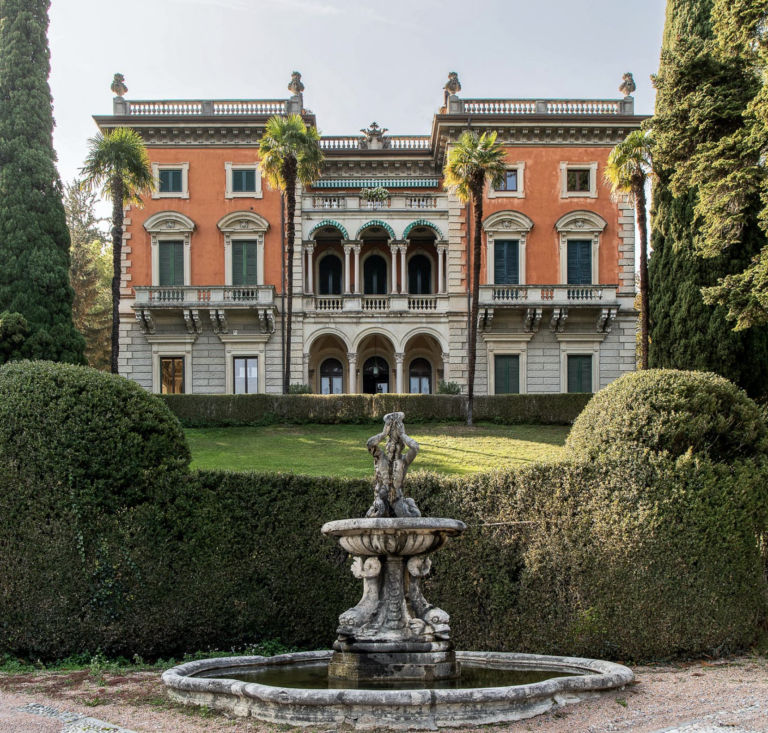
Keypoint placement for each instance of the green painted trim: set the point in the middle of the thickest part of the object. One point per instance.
(376, 223)
(330, 223)
(422, 223)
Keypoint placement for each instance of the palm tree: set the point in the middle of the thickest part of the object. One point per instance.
(627, 170)
(289, 152)
(473, 160)
(117, 162)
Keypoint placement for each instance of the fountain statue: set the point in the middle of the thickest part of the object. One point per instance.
(393, 633)
(393, 663)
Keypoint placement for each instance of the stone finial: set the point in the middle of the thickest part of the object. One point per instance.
(374, 137)
(453, 85)
(390, 466)
(296, 86)
(627, 85)
(118, 85)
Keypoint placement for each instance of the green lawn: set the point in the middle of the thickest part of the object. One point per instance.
(340, 449)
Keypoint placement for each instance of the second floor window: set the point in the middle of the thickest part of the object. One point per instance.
(419, 275)
(506, 262)
(375, 276)
(579, 262)
(329, 275)
(509, 183)
(244, 180)
(578, 180)
(171, 261)
(170, 180)
(244, 262)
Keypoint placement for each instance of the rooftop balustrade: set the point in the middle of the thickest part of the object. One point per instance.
(555, 107)
(202, 107)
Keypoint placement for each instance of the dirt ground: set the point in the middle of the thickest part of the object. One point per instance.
(726, 694)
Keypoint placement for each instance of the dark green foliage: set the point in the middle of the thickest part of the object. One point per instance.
(700, 101)
(96, 437)
(14, 331)
(34, 242)
(672, 411)
(261, 409)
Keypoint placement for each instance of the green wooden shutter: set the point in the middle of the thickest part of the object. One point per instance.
(238, 264)
(507, 374)
(579, 262)
(580, 373)
(244, 262)
(506, 258)
(171, 263)
(251, 266)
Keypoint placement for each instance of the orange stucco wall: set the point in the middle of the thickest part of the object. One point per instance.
(206, 205)
(544, 206)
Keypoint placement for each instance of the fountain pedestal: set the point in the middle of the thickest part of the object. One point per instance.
(393, 634)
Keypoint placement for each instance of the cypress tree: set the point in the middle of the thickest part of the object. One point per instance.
(697, 103)
(34, 241)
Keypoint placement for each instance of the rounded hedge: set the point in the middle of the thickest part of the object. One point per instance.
(673, 411)
(97, 436)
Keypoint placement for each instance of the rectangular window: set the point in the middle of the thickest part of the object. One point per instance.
(244, 262)
(172, 374)
(506, 373)
(171, 259)
(578, 181)
(506, 262)
(509, 182)
(170, 180)
(244, 180)
(579, 262)
(579, 373)
(330, 385)
(246, 374)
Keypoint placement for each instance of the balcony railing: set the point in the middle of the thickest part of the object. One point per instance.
(204, 295)
(396, 201)
(329, 303)
(391, 142)
(491, 295)
(375, 303)
(422, 303)
(329, 202)
(397, 304)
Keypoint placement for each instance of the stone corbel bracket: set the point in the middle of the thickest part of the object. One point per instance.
(605, 319)
(559, 317)
(532, 320)
(219, 321)
(192, 320)
(485, 319)
(145, 321)
(266, 320)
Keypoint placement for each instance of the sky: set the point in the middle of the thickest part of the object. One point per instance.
(360, 61)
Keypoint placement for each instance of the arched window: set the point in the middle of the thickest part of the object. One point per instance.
(420, 374)
(375, 275)
(331, 377)
(375, 375)
(329, 271)
(419, 275)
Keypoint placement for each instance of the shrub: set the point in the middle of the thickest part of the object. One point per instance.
(299, 389)
(673, 411)
(444, 387)
(97, 437)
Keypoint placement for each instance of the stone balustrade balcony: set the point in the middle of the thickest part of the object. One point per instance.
(429, 202)
(376, 305)
(548, 295)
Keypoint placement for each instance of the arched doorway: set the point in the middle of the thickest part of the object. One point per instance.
(419, 275)
(331, 377)
(375, 375)
(329, 275)
(420, 377)
(375, 275)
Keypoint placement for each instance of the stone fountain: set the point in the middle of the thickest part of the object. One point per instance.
(393, 663)
(393, 633)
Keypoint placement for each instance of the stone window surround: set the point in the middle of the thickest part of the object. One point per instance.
(519, 166)
(183, 194)
(579, 344)
(168, 345)
(580, 225)
(565, 166)
(239, 225)
(229, 193)
(507, 344)
(502, 225)
(245, 344)
(169, 225)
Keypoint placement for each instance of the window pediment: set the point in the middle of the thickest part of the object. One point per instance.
(242, 222)
(580, 221)
(508, 221)
(169, 222)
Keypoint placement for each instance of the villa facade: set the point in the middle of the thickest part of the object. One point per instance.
(380, 267)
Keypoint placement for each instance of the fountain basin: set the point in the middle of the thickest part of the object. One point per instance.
(402, 536)
(205, 683)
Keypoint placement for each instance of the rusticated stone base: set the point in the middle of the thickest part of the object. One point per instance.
(386, 666)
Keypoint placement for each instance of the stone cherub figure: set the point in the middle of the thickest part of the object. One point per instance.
(390, 466)
(118, 85)
(627, 85)
(296, 85)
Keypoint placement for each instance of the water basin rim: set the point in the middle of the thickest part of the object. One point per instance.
(341, 527)
(594, 674)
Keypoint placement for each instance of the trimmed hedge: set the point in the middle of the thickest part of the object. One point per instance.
(197, 410)
(673, 411)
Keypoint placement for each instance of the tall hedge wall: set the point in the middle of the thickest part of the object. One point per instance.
(198, 410)
(645, 558)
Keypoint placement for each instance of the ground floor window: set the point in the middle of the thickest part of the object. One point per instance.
(246, 369)
(579, 373)
(506, 373)
(331, 377)
(172, 374)
(375, 376)
(420, 374)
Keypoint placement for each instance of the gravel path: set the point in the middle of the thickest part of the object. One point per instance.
(720, 697)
